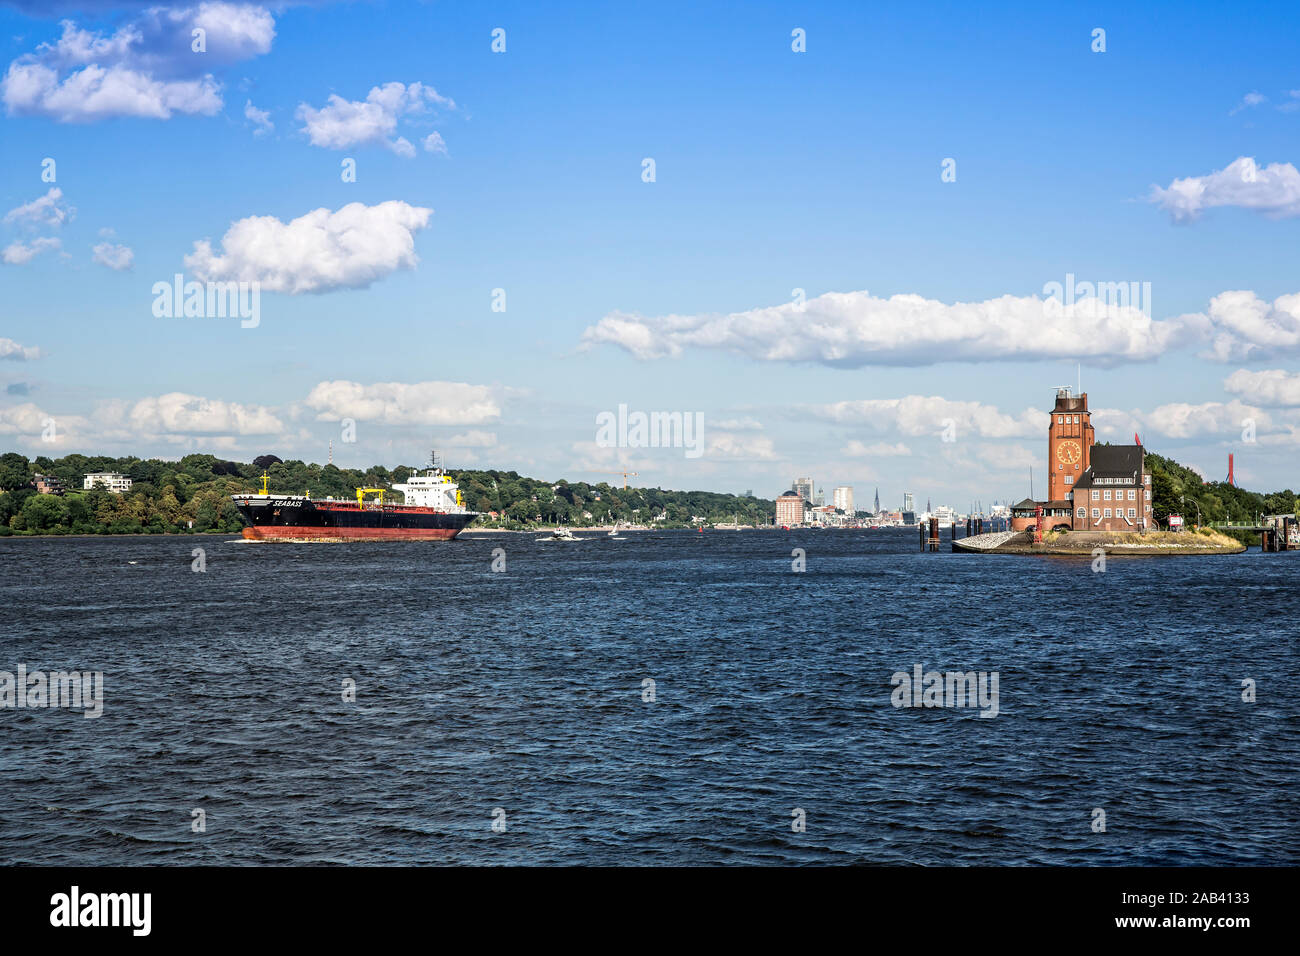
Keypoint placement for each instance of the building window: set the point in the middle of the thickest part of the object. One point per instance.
(1076, 419)
(1106, 494)
(1096, 495)
(1146, 479)
(1106, 514)
(1069, 479)
(1132, 512)
(1148, 493)
(1096, 512)
(1083, 512)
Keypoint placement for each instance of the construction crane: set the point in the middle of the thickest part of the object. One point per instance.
(625, 474)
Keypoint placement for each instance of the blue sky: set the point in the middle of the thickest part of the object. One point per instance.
(775, 170)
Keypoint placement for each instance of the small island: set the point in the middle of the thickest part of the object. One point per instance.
(1086, 543)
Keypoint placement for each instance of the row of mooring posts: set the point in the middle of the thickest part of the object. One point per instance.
(1278, 537)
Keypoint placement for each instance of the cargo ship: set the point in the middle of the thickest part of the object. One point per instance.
(432, 510)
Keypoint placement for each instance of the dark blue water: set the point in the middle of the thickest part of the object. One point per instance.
(523, 691)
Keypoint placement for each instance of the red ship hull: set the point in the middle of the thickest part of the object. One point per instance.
(301, 533)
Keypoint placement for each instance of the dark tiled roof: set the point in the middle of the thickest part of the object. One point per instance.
(1029, 504)
(1116, 461)
(1112, 461)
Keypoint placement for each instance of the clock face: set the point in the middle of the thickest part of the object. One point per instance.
(1068, 452)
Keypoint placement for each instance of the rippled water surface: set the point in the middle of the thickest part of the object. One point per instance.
(523, 691)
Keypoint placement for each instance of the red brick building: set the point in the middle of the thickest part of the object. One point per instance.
(790, 509)
(1114, 494)
(1090, 487)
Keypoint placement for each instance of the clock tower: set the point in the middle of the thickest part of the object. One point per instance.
(1069, 443)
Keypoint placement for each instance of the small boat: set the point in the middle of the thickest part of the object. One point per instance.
(561, 534)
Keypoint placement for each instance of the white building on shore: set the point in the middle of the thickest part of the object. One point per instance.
(109, 480)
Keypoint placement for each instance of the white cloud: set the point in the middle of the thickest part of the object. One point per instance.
(1273, 387)
(1210, 419)
(343, 123)
(1292, 103)
(1244, 327)
(857, 449)
(9, 349)
(852, 329)
(147, 68)
(740, 447)
(400, 403)
(472, 439)
(261, 119)
(317, 252)
(737, 424)
(1253, 98)
(177, 413)
(1117, 425)
(433, 143)
(34, 423)
(19, 254)
(920, 415)
(116, 257)
(1272, 190)
(48, 210)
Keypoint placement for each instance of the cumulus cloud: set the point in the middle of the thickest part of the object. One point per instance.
(857, 449)
(32, 422)
(1273, 388)
(177, 413)
(373, 121)
(323, 250)
(1181, 420)
(433, 143)
(9, 349)
(116, 257)
(147, 68)
(1244, 327)
(261, 119)
(930, 415)
(20, 253)
(852, 329)
(401, 403)
(1273, 190)
(48, 210)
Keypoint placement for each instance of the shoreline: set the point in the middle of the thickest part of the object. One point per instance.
(1084, 544)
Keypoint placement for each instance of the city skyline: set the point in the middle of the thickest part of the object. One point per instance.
(876, 266)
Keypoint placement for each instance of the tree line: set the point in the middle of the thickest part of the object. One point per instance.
(193, 495)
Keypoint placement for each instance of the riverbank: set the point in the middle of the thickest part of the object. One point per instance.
(1086, 543)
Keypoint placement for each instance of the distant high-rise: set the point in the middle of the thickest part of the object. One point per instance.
(819, 499)
(842, 498)
(908, 501)
(804, 487)
(877, 511)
